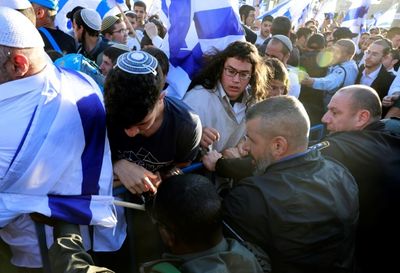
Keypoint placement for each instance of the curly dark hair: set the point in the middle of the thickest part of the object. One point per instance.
(130, 97)
(214, 63)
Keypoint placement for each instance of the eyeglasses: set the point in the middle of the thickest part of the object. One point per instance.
(121, 31)
(243, 75)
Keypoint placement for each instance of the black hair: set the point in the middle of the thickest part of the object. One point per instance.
(268, 18)
(130, 97)
(80, 23)
(161, 57)
(281, 25)
(189, 207)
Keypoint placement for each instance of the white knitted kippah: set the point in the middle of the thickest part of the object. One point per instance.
(137, 62)
(91, 18)
(15, 4)
(17, 31)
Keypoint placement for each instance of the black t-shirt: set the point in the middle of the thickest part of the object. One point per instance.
(63, 40)
(176, 141)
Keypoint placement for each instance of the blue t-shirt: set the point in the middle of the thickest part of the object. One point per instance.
(176, 141)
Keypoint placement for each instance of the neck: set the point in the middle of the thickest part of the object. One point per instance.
(157, 122)
(90, 42)
(369, 70)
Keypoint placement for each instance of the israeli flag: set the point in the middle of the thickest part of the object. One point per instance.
(355, 18)
(194, 28)
(297, 12)
(103, 7)
(62, 167)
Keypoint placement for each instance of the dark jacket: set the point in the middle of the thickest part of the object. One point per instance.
(302, 212)
(382, 82)
(373, 157)
(251, 36)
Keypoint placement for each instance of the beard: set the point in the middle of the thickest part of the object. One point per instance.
(261, 165)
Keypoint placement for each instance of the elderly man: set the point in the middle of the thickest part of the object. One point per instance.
(360, 142)
(301, 208)
(54, 153)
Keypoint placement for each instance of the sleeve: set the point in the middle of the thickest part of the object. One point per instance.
(395, 87)
(236, 168)
(189, 140)
(67, 253)
(330, 82)
(244, 211)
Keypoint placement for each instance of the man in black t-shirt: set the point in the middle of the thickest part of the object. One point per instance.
(54, 38)
(149, 133)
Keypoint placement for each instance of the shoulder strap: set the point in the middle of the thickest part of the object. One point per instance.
(51, 39)
(344, 78)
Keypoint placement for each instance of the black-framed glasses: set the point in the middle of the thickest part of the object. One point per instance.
(231, 72)
(121, 31)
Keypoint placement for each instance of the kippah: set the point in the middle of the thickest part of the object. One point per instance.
(284, 40)
(17, 31)
(91, 18)
(15, 4)
(137, 62)
(108, 22)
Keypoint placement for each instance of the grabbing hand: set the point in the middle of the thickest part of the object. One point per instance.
(208, 137)
(210, 160)
(388, 101)
(135, 178)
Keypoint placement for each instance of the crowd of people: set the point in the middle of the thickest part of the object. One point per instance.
(92, 108)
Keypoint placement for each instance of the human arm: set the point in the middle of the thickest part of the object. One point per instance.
(331, 81)
(134, 177)
(395, 86)
(67, 253)
(389, 100)
(394, 111)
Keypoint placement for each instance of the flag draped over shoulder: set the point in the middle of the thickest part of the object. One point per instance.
(194, 28)
(355, 18)
(62, 167)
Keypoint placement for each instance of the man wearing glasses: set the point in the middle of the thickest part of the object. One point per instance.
(230, 81)
(114, 29)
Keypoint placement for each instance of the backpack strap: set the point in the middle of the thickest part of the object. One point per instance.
(50, 39)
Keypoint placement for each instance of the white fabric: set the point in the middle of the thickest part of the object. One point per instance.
(294, 84)
(64, 144)
(17, 31)
(91, 18)
(15, 4)
(368, 79)
(26, 91)
(215, 111)
(395, 87)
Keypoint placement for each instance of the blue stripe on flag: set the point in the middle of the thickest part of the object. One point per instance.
(209, 26)
(61, 4)
(179, 17)
(102, 8)
(356, 13)
(164, 8)
(74, 209)
(95, 132)
(191, 62)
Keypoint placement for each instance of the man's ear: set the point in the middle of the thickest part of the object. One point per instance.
(162, 96)
(40, 12)
(20, 65)
(167, 237)
(363, 118)
(279, 147)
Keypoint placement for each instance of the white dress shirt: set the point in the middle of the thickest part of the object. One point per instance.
(368, 79)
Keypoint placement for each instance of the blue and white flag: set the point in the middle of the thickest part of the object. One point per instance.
(355, 18)
(194, 28)
(62, 167)
(103, 7)
(283, 9)
(297, 11)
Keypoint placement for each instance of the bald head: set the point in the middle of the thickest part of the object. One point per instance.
(363, 97)
(282, 116)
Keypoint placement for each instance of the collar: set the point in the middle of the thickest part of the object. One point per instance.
(311, 154)
(220, 247)
(373, 74)
(222, 94)
(23, 86)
